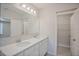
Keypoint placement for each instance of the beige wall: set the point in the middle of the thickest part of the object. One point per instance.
(63, 30)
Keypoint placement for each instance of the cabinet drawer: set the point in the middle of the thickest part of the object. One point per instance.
(43, 47)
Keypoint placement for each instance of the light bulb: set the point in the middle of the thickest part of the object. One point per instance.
(23, 5)
(34, 12)
(31, 10)
(28, 8)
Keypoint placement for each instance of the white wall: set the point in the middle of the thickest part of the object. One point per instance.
(48, 26)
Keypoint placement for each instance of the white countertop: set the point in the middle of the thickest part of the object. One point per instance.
(13, 49)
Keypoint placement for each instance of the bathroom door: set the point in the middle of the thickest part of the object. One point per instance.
(75, 33)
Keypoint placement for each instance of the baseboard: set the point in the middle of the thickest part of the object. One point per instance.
(64, 45)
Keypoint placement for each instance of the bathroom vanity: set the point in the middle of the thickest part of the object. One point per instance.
(21, 21)
(35, 46)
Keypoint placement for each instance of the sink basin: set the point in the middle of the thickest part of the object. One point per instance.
(36, 36)
(21, 44)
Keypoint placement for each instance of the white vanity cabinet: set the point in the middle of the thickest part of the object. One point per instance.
(32, 51)
(20, 54)
(38, 49)
(43, 47)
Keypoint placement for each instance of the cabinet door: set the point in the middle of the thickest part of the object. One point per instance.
(43, 47)
(19, 54)
(36, 50)
(32, 51)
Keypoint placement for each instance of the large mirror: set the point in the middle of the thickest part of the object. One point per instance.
(4, 27)
(15, 22)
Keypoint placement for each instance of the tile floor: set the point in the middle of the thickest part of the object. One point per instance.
(63, 51)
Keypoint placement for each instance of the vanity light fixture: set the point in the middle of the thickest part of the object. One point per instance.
(28, 8)
(34, 12)
(23, 5)
(31, 10)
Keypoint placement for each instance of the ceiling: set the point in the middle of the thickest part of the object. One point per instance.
(41, 5)
(57, 6)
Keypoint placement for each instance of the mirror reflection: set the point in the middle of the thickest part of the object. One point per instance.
(16, 22)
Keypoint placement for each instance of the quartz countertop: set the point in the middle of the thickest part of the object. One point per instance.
(13, 49)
